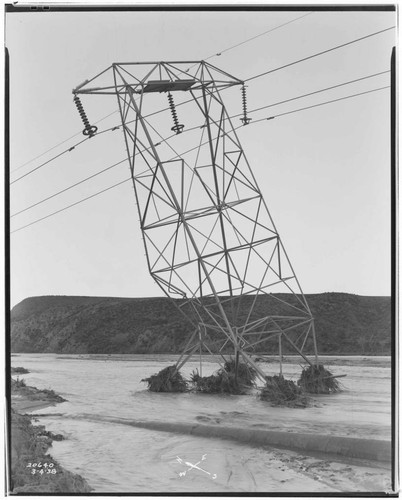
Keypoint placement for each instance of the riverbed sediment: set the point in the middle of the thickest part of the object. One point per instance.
(32, 468)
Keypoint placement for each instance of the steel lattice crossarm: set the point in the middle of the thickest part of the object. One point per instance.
(209, 237)
(149, 77)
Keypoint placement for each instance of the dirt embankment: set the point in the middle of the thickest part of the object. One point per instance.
(33, 469)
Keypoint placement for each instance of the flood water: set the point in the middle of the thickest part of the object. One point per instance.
(106, 397)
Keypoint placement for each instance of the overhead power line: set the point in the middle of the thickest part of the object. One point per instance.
(288, 113)
(48, 161)
(209, 57)
(69, 187)
(315, 92)
(319, 54)
(71, 148)
(59, 144)
(234, 116)
(258, 36)
(194, 128)
(240, 126)
(42, 154)
(283, 67)
(289, 100)
(72, 205)
(305, 95)
(185, 102)
(322, 104)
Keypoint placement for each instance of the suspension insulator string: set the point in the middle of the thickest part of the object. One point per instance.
(89, 130)
(178, 128)
(245, 120)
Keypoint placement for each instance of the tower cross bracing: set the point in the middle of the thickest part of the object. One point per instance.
(209, 237)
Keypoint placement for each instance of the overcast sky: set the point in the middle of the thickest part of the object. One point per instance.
(324, 172)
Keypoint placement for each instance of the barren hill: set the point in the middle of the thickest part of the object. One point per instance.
(345, 324)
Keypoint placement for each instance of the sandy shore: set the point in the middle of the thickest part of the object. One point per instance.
(33, 470)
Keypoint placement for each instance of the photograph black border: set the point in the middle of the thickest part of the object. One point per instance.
(37, 8)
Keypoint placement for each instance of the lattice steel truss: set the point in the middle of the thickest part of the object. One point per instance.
(208, 234)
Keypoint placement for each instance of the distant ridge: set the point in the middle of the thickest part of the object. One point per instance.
(345, 324)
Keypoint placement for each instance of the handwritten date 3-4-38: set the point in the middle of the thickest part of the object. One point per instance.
(39, 468)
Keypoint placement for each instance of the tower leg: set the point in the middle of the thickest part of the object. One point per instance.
(186, 348)
(315, 343)
(248, 359)
(236, 351)
(200, 337)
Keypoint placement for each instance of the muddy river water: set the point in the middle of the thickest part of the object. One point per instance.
(106, 397)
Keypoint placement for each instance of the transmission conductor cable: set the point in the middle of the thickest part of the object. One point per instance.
(209, 57)
(240, 126)
(249, 79)
(194, 128)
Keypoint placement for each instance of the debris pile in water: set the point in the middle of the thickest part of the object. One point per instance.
(282, 392)
(224, 380)
(318, 380)
(169, 379)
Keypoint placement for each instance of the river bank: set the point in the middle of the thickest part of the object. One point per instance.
(33, 469)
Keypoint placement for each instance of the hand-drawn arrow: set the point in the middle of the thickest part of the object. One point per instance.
(194, 466)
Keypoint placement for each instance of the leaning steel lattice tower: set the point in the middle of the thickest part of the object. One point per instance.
(209, 237)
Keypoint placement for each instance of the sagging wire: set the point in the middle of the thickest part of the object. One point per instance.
(188, 151)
